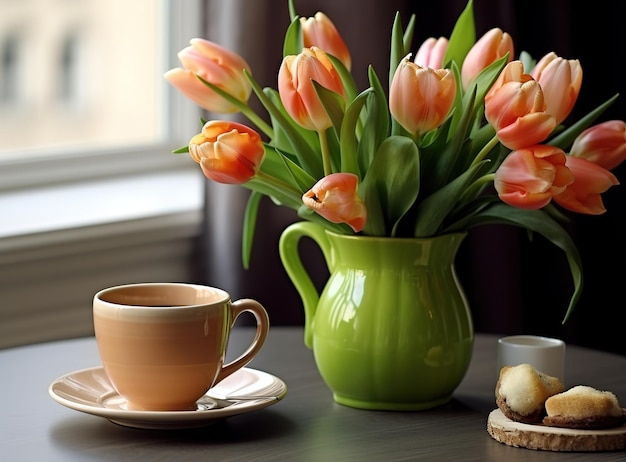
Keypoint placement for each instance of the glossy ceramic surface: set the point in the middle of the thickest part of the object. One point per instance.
(392, 328)
(163, 345)
(90, 391)
(545, 354)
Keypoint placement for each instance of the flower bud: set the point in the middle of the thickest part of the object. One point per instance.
(319, 31)
(228, 152)
(420, 98)
(216, 65)
(297, 91)
(529, 178)
(491, 46)
(514, 106)
(603, 144)
(560, 80)
(584, 194)
(335, 198)
(431, 53)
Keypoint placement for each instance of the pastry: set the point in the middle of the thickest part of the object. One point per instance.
(584, 407)
(521, 392)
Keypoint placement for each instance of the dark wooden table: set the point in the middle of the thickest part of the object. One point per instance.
(305, 426)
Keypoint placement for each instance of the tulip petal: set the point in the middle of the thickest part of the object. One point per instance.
(335, 198)
(228, 152)
(529, 178)
(584, 194)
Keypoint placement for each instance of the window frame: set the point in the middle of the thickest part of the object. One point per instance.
(24, 169)
(149, 205)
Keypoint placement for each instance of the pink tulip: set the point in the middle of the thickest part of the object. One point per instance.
(319, 31)
(603, 144)
(216, 65)
(431, 53)
(335, 198)
(228, 152)
(420, 98)
(515, 107)
(491, 46)
(560, 80)
(529, 178)
(584, 194)
(296, 89)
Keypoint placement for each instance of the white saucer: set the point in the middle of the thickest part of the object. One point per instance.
(90, 391)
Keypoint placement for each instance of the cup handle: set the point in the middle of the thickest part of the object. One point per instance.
(262, 329)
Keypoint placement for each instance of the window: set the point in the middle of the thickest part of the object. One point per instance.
(90, 194)
(82, 96)
(9, 70)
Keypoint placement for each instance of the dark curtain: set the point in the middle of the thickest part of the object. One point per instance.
(513, 285)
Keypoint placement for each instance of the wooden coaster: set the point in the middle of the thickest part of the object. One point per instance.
(539, 436)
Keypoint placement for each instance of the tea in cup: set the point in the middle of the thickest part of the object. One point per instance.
(163, 345)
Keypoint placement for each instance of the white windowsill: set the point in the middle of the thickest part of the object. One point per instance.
(68, 241)
(59, 208)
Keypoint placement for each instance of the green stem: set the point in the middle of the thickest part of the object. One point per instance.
(325, 152)
(258, 121)
(243, 107)
(269, 185)
(485, 150)
(476, 187)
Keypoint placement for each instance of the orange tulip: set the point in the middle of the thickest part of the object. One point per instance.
(529, 178)
(590, 180)
(319, 31)
(296, 89)
(420, 98)
(515, 107)
(431, 53)
(228, 152)
(216, 65)
(603, 144)
(335, 198)
(491, 46)
(560, 80)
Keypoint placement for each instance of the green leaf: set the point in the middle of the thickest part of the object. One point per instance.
(277, 165)
(241, 105)
(485, 80)
(392, 181)
(181, 150)
(565, 138)
(433, 210)
(280, 139)
(350, 87)
(306, 213)
(462, 38)
(349, 152)
(375, 122)
(332, 103)
(309, 159)
(278, 195)
(527, 61)
(293, 44)
(397, 46)
(407, 39)
(541, 222)
(249, 225)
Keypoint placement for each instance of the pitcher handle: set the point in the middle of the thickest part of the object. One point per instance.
(290, 257)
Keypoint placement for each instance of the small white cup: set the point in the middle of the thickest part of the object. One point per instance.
(545, 354)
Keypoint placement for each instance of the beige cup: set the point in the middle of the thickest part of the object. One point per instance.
(163, 345)
(545, 354)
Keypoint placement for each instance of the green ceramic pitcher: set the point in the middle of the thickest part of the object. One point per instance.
(391, 329)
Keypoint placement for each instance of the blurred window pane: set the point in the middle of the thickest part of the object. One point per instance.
(80, 73)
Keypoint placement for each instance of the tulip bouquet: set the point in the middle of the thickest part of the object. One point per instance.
(463, 135)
